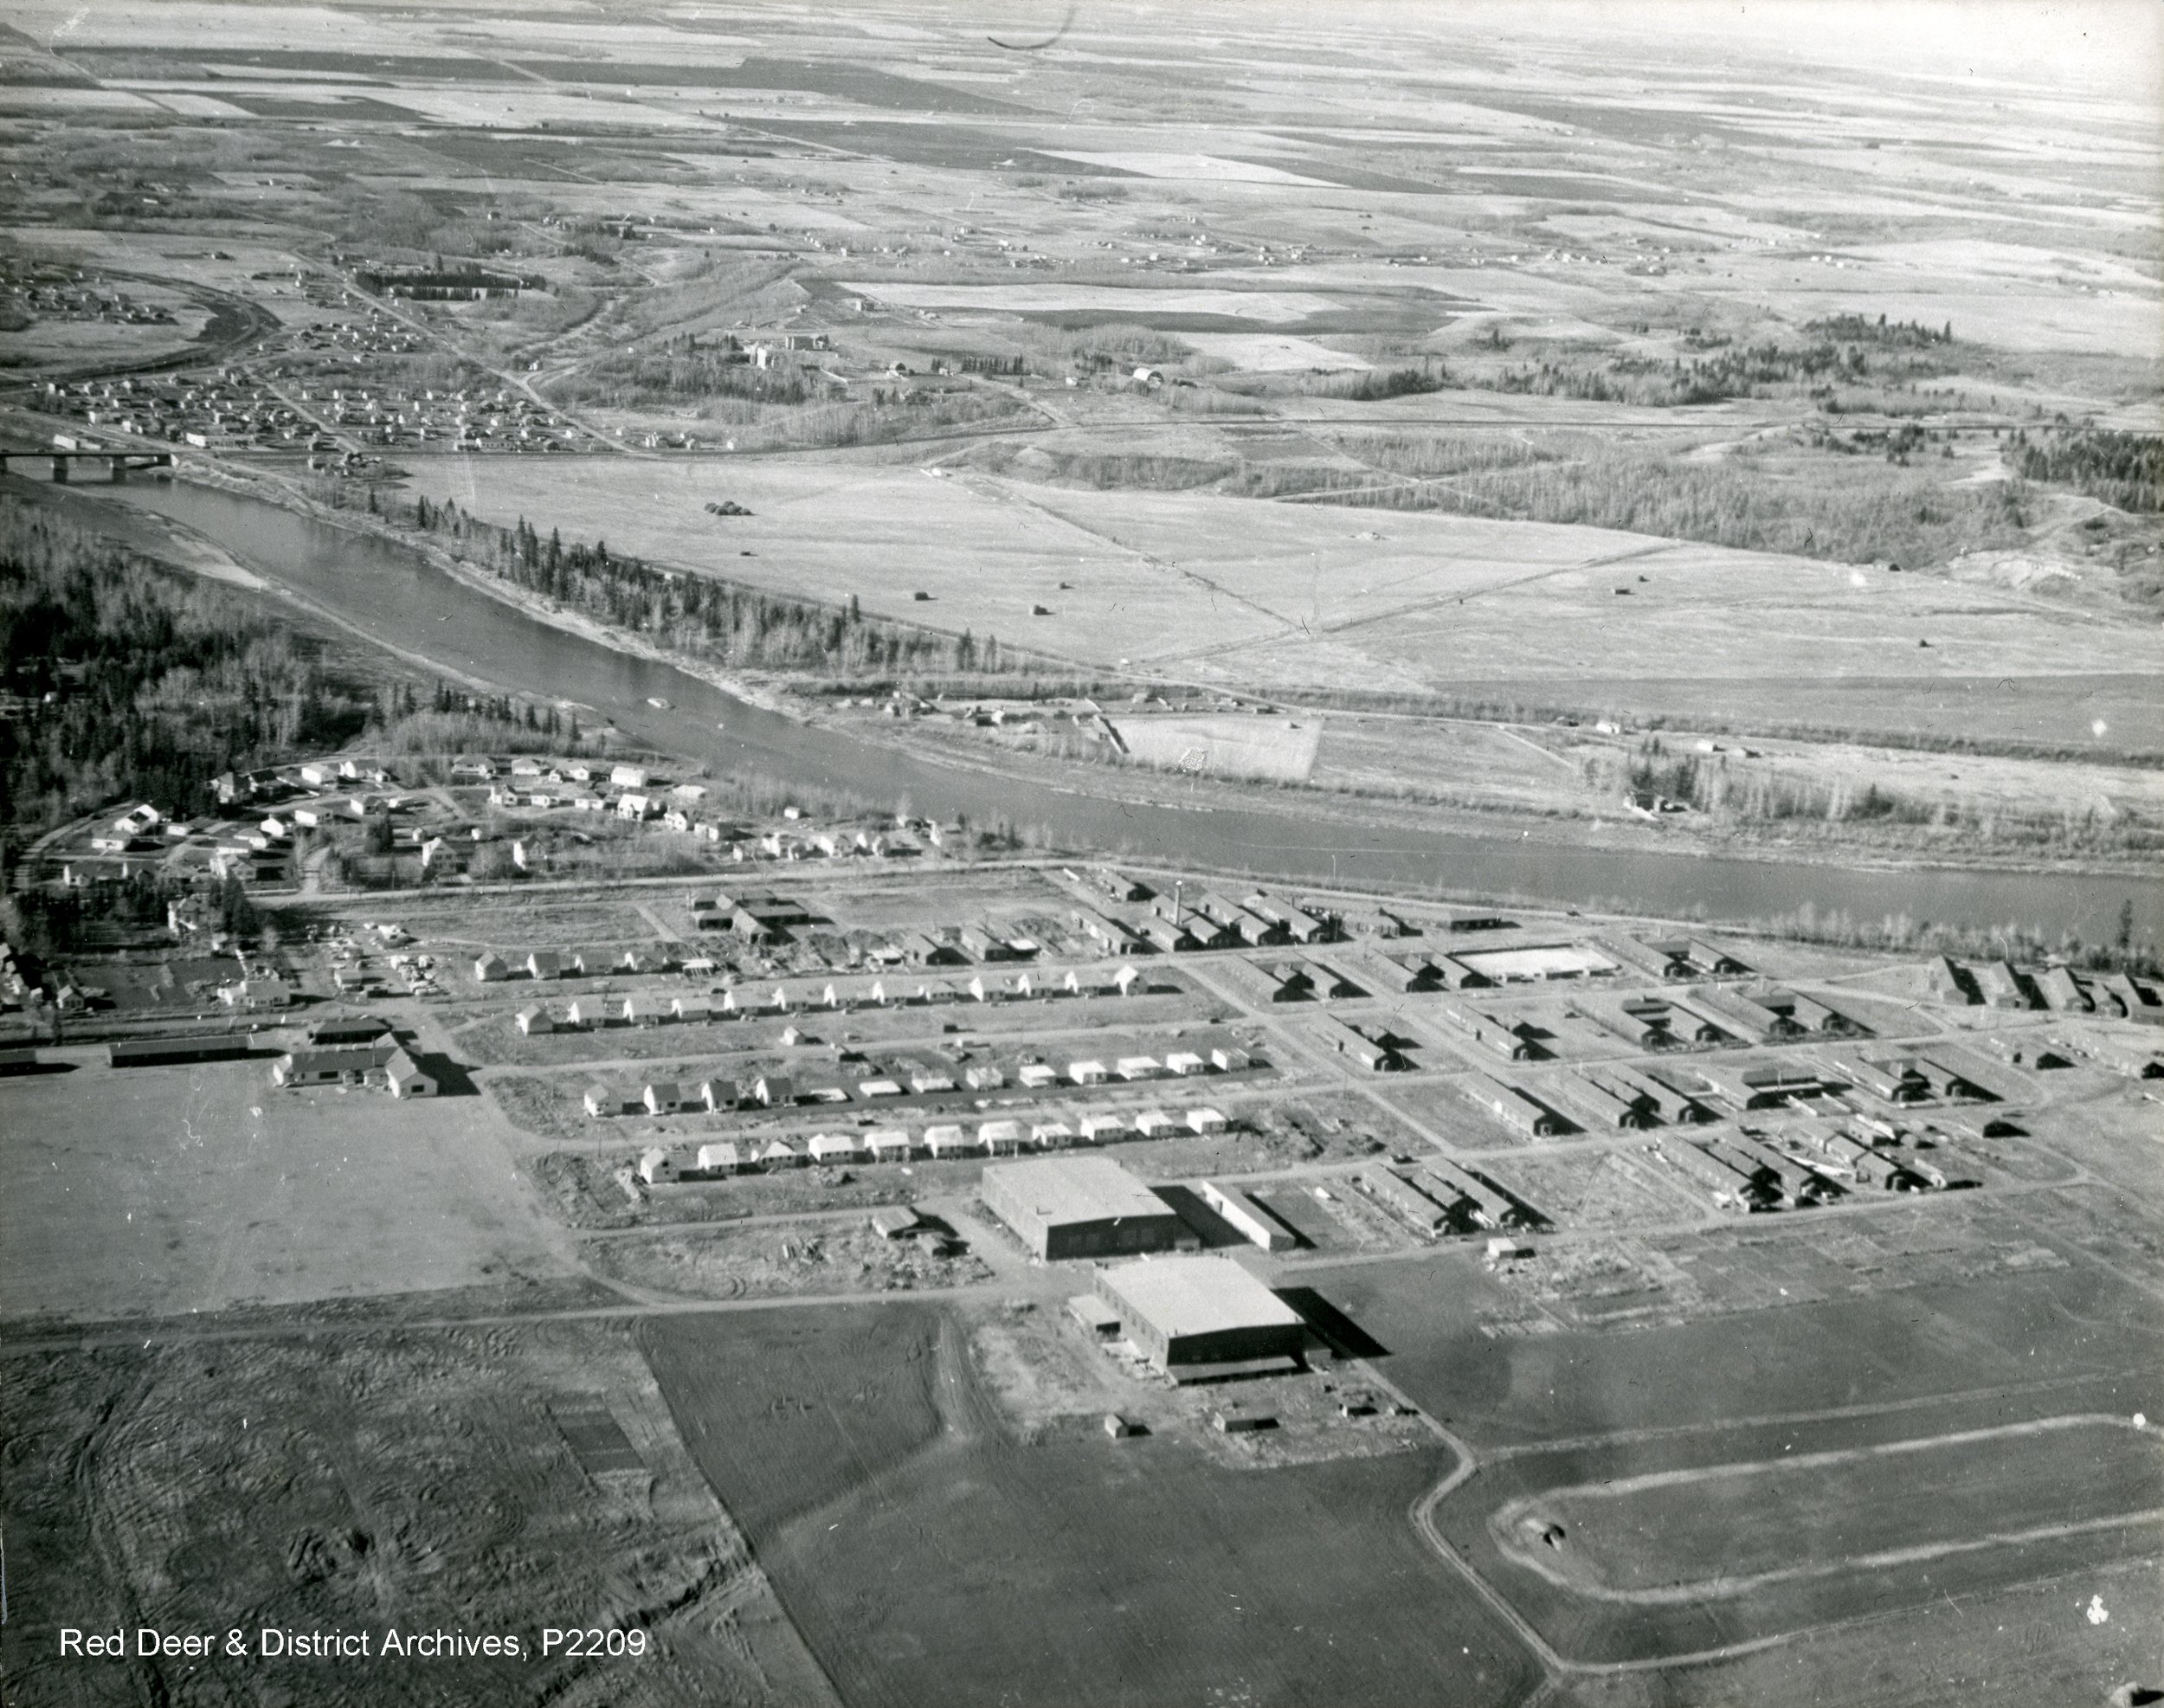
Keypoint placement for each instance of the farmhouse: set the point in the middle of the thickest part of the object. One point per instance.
(1070, 1207)
(1198, 1316)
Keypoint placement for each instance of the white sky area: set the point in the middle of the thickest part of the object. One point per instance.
(2098, 46)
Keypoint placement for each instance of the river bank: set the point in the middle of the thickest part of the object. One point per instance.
(381, 588)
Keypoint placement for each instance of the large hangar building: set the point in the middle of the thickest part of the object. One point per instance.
(1195, 1316)
(1065, 1206)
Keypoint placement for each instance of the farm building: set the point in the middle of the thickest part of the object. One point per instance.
(1070, 1207)
(1197, 1316)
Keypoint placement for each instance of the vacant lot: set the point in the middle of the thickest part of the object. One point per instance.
(1268, 750)
(173, 1189)
(881, 1487)
(779, 1258)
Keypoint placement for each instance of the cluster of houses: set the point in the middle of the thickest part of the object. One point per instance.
(944, 1142)
(802, 996)
(631, 792)
(720, 1093)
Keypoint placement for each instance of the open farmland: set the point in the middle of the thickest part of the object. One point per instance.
(468, 1479)
(196, 1189)
(1478, 684)
(886, 1491)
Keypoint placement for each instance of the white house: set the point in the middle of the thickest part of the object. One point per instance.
(657, 1167)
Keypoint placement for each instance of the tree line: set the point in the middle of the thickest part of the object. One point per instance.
(127, 678)
(707, 617)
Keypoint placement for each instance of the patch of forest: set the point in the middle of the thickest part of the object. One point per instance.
(127, 679)
(709, 618)
(2126, 470)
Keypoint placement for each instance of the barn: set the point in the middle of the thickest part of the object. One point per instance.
(1067, 1207)
(1195, 1317)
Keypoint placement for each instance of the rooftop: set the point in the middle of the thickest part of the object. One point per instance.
(1198, 1295)
(1075, 1189)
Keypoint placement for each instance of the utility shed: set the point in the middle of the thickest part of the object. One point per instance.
(1065, 1206)
(1201, 1311)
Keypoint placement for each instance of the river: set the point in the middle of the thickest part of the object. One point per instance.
(399, 598)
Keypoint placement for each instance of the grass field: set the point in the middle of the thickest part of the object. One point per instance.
(171, 1189)
(1807, 1515)
(1272, 749)
(1293, 597)
(416, 1479)
(896, 1508)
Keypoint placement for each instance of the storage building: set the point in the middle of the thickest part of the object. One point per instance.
(1197, 1316)
(1082, 1206)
